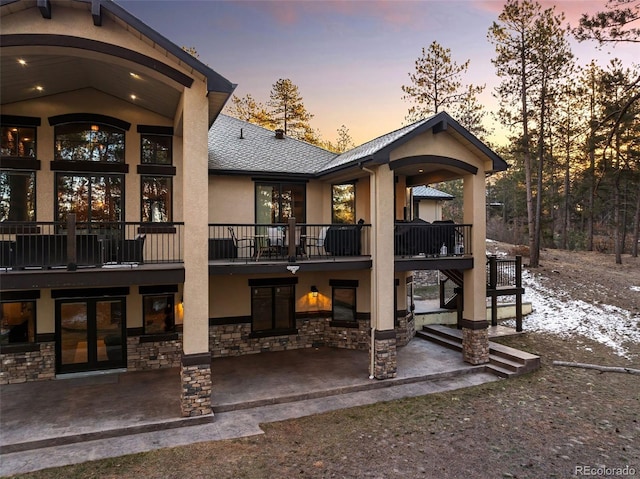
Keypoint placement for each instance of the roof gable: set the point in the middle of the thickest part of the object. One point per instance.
(377, 150)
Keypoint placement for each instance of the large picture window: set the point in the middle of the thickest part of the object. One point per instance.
(277, 202)
(17, 322)
(85, 141)
(17, 195)
(273, 309)
(156, 198)
(90, 197)
(343, 203)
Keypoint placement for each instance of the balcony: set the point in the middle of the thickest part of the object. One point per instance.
(42, 254)
(439, 245)
(265, 248)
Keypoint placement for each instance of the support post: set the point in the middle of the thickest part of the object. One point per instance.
(519, 291)
(72, 254)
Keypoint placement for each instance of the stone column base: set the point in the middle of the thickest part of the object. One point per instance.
(195, 373)
(475, 342)
(385, 355)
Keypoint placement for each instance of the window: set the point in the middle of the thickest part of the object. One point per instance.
(343, 302)
(343, 203)
(273, 309)
(277, 202)
(19, 141)
(156, 198)
(159, 314)
(85, 141)
(17, 195)
(156, 149)
(344, 305)
(17, 322)
(90, 197)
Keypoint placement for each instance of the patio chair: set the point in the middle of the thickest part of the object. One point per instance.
(275, 239)
(318, 242)
(242, 243)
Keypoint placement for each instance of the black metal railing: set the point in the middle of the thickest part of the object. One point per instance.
(286, 241)
(440, 238)
(74, 244)
(504, 272)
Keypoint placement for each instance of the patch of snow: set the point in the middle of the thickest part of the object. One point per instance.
(634, 288)
(555, 312)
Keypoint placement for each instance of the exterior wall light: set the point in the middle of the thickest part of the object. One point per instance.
(314, 291)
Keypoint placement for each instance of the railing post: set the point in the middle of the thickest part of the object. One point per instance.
(72, 257)
(518, 294)
(493, 284)
(291, 251)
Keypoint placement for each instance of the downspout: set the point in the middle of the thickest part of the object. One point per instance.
(374, 250)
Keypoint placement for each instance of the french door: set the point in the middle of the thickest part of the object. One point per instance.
(90, 334)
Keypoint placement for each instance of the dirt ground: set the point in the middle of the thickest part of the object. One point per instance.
(557, 422)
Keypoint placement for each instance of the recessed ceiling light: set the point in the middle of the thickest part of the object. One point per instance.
(22, 61)
(420, 171)
(134, 75)
(39, 88)
(133, 97)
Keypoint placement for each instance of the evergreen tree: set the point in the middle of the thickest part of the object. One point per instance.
(247, 109)
(611, 25)
(436, 83)
(288, 110)
(531, 51)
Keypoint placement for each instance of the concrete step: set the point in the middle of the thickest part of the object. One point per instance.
(504, 361)
(500, 371)
(449, 343)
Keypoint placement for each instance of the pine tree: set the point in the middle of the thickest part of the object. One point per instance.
(436, 83)
(531, 52)
(288, 110)
(248, 109)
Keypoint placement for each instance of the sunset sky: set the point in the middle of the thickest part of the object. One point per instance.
(349, 58)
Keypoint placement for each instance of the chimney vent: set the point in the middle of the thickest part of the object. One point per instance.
(241, 134)
(280, 134)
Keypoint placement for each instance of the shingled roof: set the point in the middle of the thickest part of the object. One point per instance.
(242, 147)
(428, 193)
(236, 146)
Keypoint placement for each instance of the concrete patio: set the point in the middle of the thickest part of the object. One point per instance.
(79, 418)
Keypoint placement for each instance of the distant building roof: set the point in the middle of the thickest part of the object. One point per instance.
(428, 193)
(239, 146)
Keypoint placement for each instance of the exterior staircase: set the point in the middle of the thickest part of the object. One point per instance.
(504, 361)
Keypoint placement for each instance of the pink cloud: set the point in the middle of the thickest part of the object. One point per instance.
(571, 9)
(393, 13)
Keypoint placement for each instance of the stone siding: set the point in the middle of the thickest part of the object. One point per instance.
(406, 329)
(475, 346)
(386, 358)
(20, 367)
(195, 397)
(146, 355)
(236, 340)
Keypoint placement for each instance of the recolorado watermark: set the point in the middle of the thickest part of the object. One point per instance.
(604, 471)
